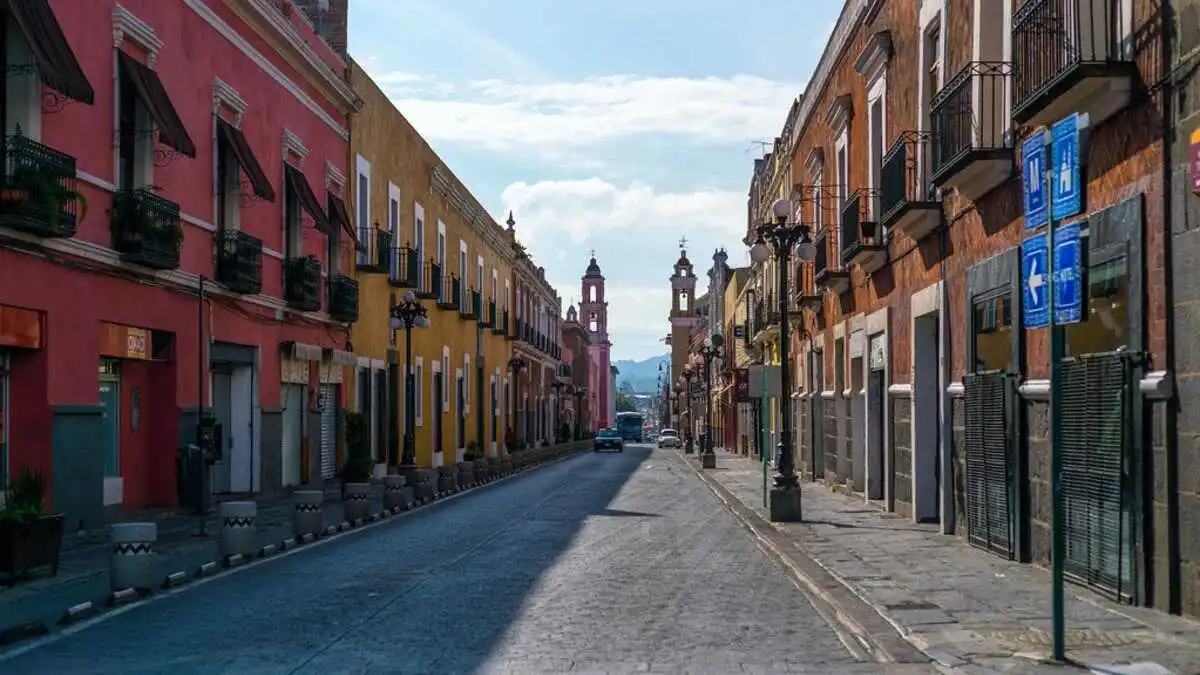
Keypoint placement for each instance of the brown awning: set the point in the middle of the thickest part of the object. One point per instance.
(55, 60)
(340, 217)
(245, 157)
(304, 194)
(153, 95)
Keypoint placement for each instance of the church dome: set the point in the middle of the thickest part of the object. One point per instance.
(593, 269)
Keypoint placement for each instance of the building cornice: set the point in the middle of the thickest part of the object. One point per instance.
(465, 204)
(848, 22)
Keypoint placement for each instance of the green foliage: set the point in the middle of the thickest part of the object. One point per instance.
(471, 453)
(132, 221)
(25, 496)
(359, 464)
(625, 403)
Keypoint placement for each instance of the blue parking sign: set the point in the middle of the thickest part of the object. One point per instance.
(1066, 180)
(1034, 158)
(1068, 275)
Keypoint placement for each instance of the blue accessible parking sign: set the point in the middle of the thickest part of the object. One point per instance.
(1035, 285)
(1068, 274)
(1066, 196)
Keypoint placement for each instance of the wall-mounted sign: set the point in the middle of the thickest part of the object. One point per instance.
(1195, 162)
(877, 356)
(20, 328)
(124, 342)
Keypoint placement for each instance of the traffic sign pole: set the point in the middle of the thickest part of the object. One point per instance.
(1058, 539)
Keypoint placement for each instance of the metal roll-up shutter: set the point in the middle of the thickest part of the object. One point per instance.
(1097, 470)
(328, 403)
(990, 461)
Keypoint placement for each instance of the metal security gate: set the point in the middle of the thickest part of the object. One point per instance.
(990, 461)
(328, 405)
(1097, 477)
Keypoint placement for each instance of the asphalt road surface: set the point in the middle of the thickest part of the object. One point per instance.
(613, 562)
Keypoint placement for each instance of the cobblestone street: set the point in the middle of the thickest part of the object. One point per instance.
(601, 563)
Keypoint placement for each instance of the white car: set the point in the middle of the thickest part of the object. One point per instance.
(669, 438)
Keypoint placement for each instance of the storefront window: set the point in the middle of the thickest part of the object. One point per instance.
(993, 334)
(1105, 325)
(3, 419)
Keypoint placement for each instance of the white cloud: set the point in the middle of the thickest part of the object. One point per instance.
(501, 115)
(579, 209)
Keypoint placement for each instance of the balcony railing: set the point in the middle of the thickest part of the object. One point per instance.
(239, 262)
(1071, 56)
(404, 267)
(145, 229)
(864, 241)
(40, 193)
(510, 331)
(343, 298)
(972, 140)
(302, 283)
(468, 304)
(451, 291)
(376, 251)
(908, 199)
(836, 279)
(489, 319)
(501, 327)
(430, 278)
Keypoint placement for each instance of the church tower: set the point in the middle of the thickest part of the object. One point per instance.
(683, 310)
(593, 314)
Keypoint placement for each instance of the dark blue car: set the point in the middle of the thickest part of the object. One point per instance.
(608, 439)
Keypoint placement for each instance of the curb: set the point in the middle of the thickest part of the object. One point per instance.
(175, 581)
(767, 537)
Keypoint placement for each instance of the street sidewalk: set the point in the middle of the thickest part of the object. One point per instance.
(967, 609)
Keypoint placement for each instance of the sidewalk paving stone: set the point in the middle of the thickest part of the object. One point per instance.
(964, 607)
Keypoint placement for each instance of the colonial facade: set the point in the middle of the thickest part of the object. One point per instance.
(419, 230)
(537, 350)
(914, 370)
(173, 248)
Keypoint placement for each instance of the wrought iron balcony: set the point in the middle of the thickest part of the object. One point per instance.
(430, 278)
(836, 279)
(145, 229)
(343, 298)
(404, 267)
(488, 318)
(1071, 56)
(377, 248)
(864, 241)
(468, 304)
(450, 291)
(510, 331)
(40, 193)
(908, 200)
(239, 262)
(302, 283)
(972, 140)
(499, 321)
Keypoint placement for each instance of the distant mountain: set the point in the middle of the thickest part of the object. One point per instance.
(641, 376)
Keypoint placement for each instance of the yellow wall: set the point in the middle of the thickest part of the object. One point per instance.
(398, 155)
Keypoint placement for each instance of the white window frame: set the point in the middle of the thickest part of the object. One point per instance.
(877, 93)
(841, 159)
(462, 264)
(507, 295)
(466, 383)
(362, 206)
(479, 275)
(419, 403)
(436, 369)
(231, 218)
(495, 283)
(818, 201)
(419, 231)
(441, 246)
(445, 369)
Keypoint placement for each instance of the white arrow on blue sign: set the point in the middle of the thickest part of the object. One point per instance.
(1066, 188)
(1033, 179)
(1035, 285)
(1068, 277)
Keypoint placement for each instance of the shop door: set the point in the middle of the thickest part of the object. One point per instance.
(460, 415)
(990, 460)
(382, 415)
(221, 402)
(292, 433)
(437, 412)
(110, 425)
(328, 406)
(875, 435)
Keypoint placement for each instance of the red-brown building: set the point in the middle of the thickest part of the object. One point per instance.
(170, 247)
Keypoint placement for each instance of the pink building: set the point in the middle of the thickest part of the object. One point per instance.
(181, 146)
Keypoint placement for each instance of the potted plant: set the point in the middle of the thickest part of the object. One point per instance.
(39, 191)
(134, 227)
(29, 538)
(356, 472)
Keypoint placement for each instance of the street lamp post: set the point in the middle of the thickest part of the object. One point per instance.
(780, 237)
(689, 372)
(709, 351)
(515, 365)
(557, 386)
(408, 314)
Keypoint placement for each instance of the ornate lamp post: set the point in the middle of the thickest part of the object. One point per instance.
(689, 372)
(515, 365)
(580, 392)
(676, 394)
(408, 314)
(710, 351)
(779, 238)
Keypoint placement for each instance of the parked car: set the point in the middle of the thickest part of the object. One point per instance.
(608, 439)
(669, 438)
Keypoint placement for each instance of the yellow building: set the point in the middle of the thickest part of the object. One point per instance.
(420, 230)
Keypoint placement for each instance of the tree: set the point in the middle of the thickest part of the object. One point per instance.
(625, 403)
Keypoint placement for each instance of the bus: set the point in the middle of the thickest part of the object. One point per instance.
(630, 426)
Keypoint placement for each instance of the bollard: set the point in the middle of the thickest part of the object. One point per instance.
(239, 536)
(393, 491)
(357, 502)
(133, 560)
(465, 477)
(307, 515)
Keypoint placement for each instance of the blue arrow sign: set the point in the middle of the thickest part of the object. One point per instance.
(1068, 277)
(1033, 179)
(1066, 182)
(1035, 285)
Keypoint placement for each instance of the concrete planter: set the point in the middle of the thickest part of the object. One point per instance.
(357, 502)
(447, 480)
(394, 494)
(466, 474)
(308, 516)
(425, 485)
(239, 533)
(134, 564)
(482, 472)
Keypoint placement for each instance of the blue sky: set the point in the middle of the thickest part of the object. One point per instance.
(614, 125)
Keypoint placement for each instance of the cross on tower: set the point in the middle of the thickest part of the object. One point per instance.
(683, 242)
(593, 253)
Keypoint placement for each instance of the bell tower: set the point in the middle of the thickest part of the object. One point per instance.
(593, 314)
(683, 309)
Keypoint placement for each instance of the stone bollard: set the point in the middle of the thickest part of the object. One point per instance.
(447, 482)
(466, 474)
(133, 560)
(506, 465)
(393, 492)
(425, 487)
(307, 515)
(357, 502)
(482, 472)
(238, 532)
